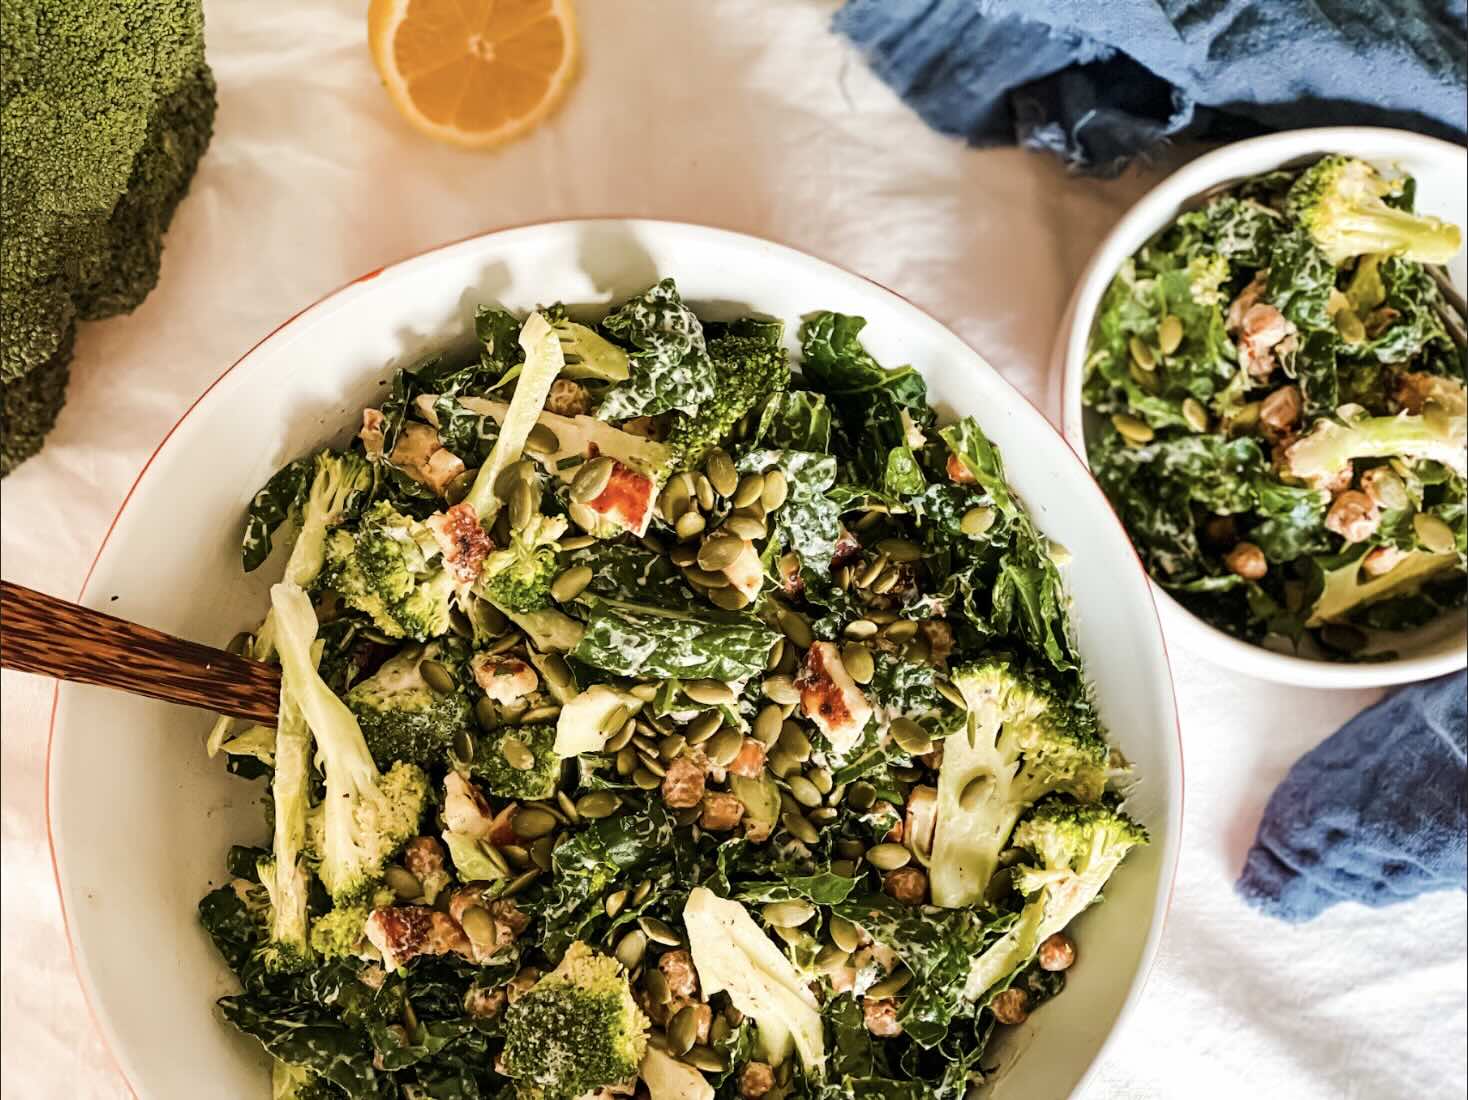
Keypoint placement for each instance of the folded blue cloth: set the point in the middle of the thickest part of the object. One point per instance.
(1374, 814)
(1099, 83)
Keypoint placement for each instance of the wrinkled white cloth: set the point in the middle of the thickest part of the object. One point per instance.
(751, 116)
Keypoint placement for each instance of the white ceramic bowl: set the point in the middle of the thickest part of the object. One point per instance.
(1441, 171)
(140, 819)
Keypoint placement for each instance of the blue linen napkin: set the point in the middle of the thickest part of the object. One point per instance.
(1099, 83)
(1374, 814)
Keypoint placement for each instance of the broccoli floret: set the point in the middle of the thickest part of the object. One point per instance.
(503, 779)
(366, 817)
(340, 933)
(1077, 846)
(402, 717)
(518, 578)
(31, 404)
(337, 483)
(576, 1030)
(747, 370)
(392, 570)
(105, 110)
(1022, 741)
(1339, 201)
(1323, 452)
(283, 873)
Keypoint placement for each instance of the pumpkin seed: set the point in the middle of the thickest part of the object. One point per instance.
(1195, 414)
(886, 582)
(563, 800)
(910, 736)
(511, 476)
(659, 931)
(532, 822)
(719, 552)
(861, 796)
(703, 727)
(626, 761)
(488, 717)
(706, 1060)
(403, 882)
(652, 764)
(702, 578)
(890, 987)
(576, 542)
(951, 693)
(976, 790)
(437, 676)
(781, 689)
(672, 746)
(721, 473)
(787, 914)
(746, 527)
(776, 490)
(478, 925)
(656, 984)
(796, 628)
(728, 599)
(645, 780)
(519, 882)
(901, 550)
(1142, 355)
(597, 805)
(789, 662)
(1170, 334)
(703, 489)
(870, 572)
(860, 628)
(491, 853)
(690, 525)
(799, 827)
(900, 631)
(458, 488)
(749, 489)
(631, 948)
(804, 790)
(723, 747)
(719, 1030)
(524, 503)
(615, 902)
(543, 713)
(542, 440)
(794, 742)
(844, 934)
(552, 809)
(540, 852)
(888, 857)
(463, 746)
(644, 888)
(976, 521)
(617, 741)
(591, 480)
(1434, 534)
(571, 583)
(858, 661)
(821, 780)
(1132, 429)
(674, 500)
(504, 644)
(711, 693)
(767, 724)
(518, 755)
(582, 516)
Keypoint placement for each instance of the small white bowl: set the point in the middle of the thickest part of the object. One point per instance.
(1441, 171)
(140, 819)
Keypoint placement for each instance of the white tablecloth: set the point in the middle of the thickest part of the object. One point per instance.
(752, 117)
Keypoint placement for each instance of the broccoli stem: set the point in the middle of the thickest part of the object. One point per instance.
(286, 879)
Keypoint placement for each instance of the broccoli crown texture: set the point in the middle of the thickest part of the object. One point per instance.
(1340, 202)
(503, 779)
(339, 932)
(747, 370)
(105, 109)
(338, 481)
(391, 569)
(1030, 741)
(519, 577)
(576, 1030)
(32, 401)
(402, 718)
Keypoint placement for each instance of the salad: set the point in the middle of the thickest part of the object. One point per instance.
(1281, 376)
(660, 718)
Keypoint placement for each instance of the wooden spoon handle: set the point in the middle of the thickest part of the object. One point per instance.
(40, 633)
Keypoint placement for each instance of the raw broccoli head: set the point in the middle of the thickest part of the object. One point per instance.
(747, 370)
(518, 578)
(340, 932)
(577, 1030)
(495, 772)
(359, 828)
(402, 717)
(338, 481)
(1339, 201)
(1437, 434)
(31, 404)
(1023, 739)
(287, 950)
(1076, 847)
(391, 569)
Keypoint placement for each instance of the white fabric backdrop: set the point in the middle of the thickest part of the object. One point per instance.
(753, 117)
